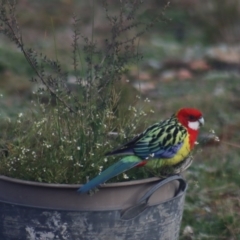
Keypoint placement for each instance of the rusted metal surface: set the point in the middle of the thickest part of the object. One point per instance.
(140, 220)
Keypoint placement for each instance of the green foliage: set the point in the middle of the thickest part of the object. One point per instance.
(63, 136)
(12, 60)
(54, 145)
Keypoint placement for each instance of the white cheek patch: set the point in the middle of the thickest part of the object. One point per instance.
(193, 125)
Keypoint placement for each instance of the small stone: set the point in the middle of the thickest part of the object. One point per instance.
(184, 74)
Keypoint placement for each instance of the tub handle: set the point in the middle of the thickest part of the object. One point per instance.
(142, 203)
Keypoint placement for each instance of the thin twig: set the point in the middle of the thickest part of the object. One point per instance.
(19, 42)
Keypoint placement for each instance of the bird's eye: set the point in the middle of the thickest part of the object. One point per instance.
(191, 118)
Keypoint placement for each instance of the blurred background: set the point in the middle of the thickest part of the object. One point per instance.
(191, 57)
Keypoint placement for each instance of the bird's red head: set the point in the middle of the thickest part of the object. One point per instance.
(190, 118)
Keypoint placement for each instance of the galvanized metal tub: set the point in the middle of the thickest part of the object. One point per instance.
(139, 210)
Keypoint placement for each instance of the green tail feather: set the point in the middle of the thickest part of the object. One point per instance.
(119, 167)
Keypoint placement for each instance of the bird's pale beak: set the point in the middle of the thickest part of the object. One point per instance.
(201, 121)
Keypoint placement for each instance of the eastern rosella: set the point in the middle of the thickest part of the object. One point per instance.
(164, 146)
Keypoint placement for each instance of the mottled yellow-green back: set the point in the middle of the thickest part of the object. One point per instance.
(182, 153)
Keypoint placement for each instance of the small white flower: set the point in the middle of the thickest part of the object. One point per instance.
(125, 176)
(211, 131)
(217, 139)
(48, 145)
(100, 169)
(78, 148)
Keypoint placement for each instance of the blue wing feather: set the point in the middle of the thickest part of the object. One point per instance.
(158, 152)
(169, 152)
